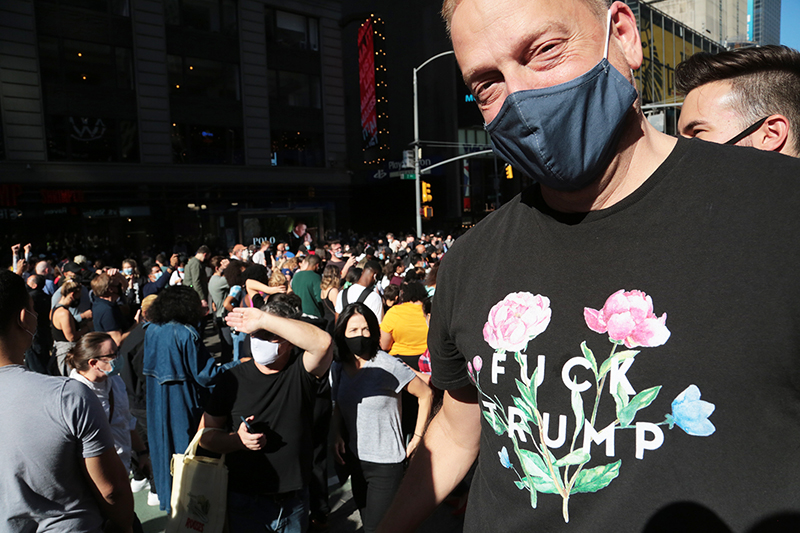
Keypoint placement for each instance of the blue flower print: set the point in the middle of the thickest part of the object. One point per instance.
(691, 413)
(504, 460)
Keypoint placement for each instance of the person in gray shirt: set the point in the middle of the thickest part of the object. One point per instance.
(59, 470)
(366, 390)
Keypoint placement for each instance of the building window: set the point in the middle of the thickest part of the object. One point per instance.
(294, 89)
(203, 77)
(84, 64)
(207, 145)
(120, 8)
(91, 139)
(297, 149)
(217, 16)
(292, 30)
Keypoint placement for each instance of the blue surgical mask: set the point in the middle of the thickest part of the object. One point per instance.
(181, 269)
(158, 275)
(127, 271)
(564, 136)
(114, 367)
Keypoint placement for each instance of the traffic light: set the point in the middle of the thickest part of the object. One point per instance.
(426, 192)
(509, 172)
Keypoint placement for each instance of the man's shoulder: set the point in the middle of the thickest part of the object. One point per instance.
(758, 168)
(41, 387)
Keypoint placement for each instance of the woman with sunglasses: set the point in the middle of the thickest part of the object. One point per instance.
(95, 362)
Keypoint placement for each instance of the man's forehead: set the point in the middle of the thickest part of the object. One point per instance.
(708, 101)
(508, 24)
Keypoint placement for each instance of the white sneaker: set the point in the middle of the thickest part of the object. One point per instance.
(152, 499)
(139, 484)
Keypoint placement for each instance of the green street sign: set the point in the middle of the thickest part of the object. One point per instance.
(407, 177)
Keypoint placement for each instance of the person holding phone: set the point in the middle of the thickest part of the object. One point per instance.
(265, 408)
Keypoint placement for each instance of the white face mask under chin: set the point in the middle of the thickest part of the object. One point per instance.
(264, 352)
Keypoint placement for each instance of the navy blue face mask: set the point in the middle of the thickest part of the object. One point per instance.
(564, 136)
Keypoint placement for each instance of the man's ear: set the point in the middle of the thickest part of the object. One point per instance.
(773, 135)
(626, 32)
(21, 319)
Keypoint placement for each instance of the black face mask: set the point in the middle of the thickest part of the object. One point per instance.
(358, 345)
(749, 131)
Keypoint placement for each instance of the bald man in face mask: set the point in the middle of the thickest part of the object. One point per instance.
(612, 356)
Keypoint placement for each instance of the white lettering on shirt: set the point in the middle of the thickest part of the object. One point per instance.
(569, 365)
(562, 431)
(642, 444)
(497, 358)
(618, 377)
(607, 435)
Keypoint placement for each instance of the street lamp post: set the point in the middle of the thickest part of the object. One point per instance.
(418, 204)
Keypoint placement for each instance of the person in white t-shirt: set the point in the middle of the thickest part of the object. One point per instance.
(354, 293)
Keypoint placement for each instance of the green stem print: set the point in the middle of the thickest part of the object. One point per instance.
(629, 321)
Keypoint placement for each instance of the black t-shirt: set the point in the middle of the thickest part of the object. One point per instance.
(283, 407)
(701, 402)
(107, 316)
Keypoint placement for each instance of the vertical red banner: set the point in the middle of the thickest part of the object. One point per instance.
(366, 66)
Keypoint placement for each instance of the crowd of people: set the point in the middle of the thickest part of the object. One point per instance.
(276, 318)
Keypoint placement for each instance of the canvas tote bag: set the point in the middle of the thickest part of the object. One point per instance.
(199, 491)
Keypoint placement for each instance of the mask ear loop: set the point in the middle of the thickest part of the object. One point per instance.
(608, 33)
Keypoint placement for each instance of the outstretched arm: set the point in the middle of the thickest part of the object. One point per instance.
(441, 461)
(315, 342)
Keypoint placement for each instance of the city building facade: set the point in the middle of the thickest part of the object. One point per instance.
(134, 122)
(764, 21)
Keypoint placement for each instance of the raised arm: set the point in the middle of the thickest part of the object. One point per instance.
(441, 461)
(315, 342)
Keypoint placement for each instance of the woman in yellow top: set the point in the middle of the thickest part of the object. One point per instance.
(404, 334)
(404, 331)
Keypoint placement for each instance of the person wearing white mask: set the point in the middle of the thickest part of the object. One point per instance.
(264, 408)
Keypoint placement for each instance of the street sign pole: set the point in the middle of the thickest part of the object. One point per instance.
(418, 204)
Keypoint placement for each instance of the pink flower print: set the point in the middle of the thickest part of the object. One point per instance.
(629, 317)
(477, 363)
(517, 319)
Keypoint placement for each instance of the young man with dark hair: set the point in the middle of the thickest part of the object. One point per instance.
(264, 408)
(195, 275)
(58, 465)
(746, 96)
